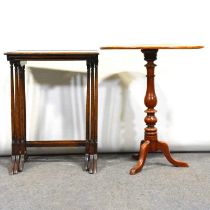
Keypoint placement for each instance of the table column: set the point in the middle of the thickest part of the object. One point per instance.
(150, 142)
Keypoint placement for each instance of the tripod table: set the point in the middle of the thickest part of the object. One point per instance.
(151, 142)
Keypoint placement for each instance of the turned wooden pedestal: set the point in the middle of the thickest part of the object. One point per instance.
(151, 142)
(18, 105)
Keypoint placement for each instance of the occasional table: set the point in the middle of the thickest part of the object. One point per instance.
(18, 105)
(151, 142)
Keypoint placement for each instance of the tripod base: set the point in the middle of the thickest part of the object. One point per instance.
(149, 146)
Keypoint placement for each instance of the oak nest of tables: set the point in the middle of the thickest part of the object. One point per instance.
(151, 142)
(17, 61)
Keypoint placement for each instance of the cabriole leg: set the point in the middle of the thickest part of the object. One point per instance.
(150, 142)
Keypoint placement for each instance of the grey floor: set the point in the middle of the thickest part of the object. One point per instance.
(58, 182)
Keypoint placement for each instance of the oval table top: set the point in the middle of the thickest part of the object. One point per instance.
(151, 47)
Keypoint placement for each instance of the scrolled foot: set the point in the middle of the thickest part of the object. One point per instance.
(17, 164)
(144, 148)
(86, 162)
(25, 156)
(135, 169)
(21, 163)
(13, 168)
(95, 163)
(91, 164)
(165, 149)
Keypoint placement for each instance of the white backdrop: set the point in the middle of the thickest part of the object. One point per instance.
(182, 76)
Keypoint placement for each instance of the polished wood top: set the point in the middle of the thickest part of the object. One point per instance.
(52, 55)
(51, 52)
(151, 47)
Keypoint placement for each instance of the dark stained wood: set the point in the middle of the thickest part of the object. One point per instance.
(18, 106)
(92, 112)
(50, 55)
(22, 145)
(96, 118)
(17, 117)
(12, 105)
(91, 115)
(24, 113)
(22, 108)
(13, 168)
(150, 142)
(53, 52)
(92, 135)
(60, 143)
(87, 148)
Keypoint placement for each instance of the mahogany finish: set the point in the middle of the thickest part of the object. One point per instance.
(58, 143)
(151, 142)
(18, 106)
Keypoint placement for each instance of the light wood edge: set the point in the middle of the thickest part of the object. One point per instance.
(152, 47)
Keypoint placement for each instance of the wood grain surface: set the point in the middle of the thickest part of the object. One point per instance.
(151, 47)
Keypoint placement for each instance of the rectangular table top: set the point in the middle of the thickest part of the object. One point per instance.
(51, 55)
(151, 47)
(51, 52)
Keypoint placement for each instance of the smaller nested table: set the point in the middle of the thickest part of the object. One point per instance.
(18, 105)
(151, 142)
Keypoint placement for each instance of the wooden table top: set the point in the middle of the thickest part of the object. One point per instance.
(51, 55)
(151, 47)
(52, 52)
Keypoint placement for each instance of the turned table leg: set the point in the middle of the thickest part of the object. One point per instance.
(150, 142)
(94, 112)
(91, 116)
(18, 116)
(95, 115)
(87, 147)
